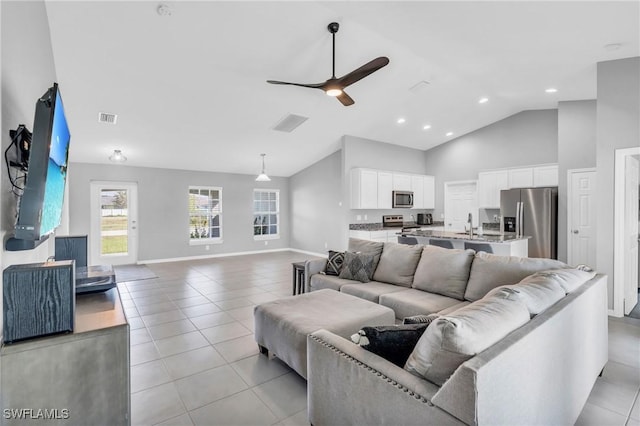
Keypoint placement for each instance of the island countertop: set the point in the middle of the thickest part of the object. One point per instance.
(487, 237)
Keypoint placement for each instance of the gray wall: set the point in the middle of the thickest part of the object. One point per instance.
(576, 150)
(526, 138)
(163, 215)
(27, 71)
(317, 216)
(618, 126)
(367, 153)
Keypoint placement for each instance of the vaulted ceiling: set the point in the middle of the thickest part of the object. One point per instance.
(189, 87)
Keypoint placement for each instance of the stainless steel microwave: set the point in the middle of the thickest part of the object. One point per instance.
(402, 199)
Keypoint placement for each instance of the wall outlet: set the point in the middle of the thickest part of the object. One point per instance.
(266, 243)
(495, 218)
(207, 247)
(365, 217)
(326, 245)
(441, 215)
(358, 217)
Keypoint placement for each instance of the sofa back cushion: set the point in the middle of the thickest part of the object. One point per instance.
(443, 271)
(453, 339)
(489, 271)
(356, 245)
(398, 264)
(536, 291)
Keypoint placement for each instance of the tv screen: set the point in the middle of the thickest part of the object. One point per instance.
(40, 206)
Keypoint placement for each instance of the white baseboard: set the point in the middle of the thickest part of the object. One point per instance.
(212, 256)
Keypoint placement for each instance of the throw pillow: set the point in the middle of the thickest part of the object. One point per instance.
(420, 319)
(391, 342)
(453, 339)
(357, 266)
(357, 245)
(398, 264)
(334, 263)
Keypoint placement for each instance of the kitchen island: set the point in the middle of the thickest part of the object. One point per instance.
(501, 244)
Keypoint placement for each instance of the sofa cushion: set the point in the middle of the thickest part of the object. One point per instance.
(538, 292)
(570, 279)
(412, 302)
(357, 266)
(443, 271)
(489, 271)
(357, 245)
(370, 291)
(398, 264)
(391, 342)
(335, 259)
(321, 281)
(453, 339)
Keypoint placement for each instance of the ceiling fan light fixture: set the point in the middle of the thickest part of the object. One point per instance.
(262, 177)
(117, 156)
(334, 92)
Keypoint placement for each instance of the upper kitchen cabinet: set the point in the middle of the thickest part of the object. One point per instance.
(385, 189)
(401, 182)
(429, 192)
(364, 189)
(520, 178)
(417, 186)
(489, 186)
(545, 175)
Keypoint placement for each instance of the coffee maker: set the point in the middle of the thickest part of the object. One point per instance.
(424, 219)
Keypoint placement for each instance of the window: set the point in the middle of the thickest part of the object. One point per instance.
(205, 214)
(266, 214)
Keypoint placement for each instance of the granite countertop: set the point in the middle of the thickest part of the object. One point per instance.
(491, 237)
(380, 227)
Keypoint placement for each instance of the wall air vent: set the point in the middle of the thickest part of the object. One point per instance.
(419, 88)
(289, 123)
(104, 117)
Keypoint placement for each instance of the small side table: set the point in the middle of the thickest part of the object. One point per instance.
(298, 277)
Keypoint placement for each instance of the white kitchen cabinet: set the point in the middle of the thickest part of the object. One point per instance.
(383, 236)
(401, 182)
(429, 192)
(521, 178)
(417, 186)
(545, 175)
(385, 190)
(489, 186)
(364, 189)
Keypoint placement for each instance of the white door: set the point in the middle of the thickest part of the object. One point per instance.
(460, 199)
(581, 222)
(114, 223)
(632, 179)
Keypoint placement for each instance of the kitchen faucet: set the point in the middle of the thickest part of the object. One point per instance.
(470, 222)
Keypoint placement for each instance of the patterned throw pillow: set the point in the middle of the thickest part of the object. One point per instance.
(420, 319)
(357, 266)
(334, 262)
(392, 342)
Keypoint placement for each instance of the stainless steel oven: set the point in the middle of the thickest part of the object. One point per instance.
(402, 199)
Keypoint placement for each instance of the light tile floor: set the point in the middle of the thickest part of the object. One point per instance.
(194, 360)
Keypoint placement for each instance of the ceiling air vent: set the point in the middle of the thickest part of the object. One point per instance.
(289, 123)
(419, 88)
(104, 117)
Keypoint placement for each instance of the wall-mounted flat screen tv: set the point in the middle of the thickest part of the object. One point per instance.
(40, 206)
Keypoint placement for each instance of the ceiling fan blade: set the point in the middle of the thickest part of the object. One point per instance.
(345, 99)
(363, 71)
(312, 86)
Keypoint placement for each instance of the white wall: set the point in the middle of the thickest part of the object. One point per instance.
(618, 126)
(28, 71)
(576, 149)
(163, 216)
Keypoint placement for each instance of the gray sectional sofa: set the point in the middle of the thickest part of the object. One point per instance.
(519, 341)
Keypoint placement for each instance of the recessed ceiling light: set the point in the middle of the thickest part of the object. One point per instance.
(401, 120)
(449, 134)
(426, 127)
(551, 90)
(483, 100)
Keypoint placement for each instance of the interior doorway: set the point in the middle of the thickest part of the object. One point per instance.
(626, 217)
(460, 199)
(114, 223)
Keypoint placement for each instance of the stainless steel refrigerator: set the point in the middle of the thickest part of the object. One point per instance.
(532, 212)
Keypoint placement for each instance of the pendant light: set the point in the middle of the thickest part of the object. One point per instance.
(262, 177)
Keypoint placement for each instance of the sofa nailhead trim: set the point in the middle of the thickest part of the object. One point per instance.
(379, 374)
